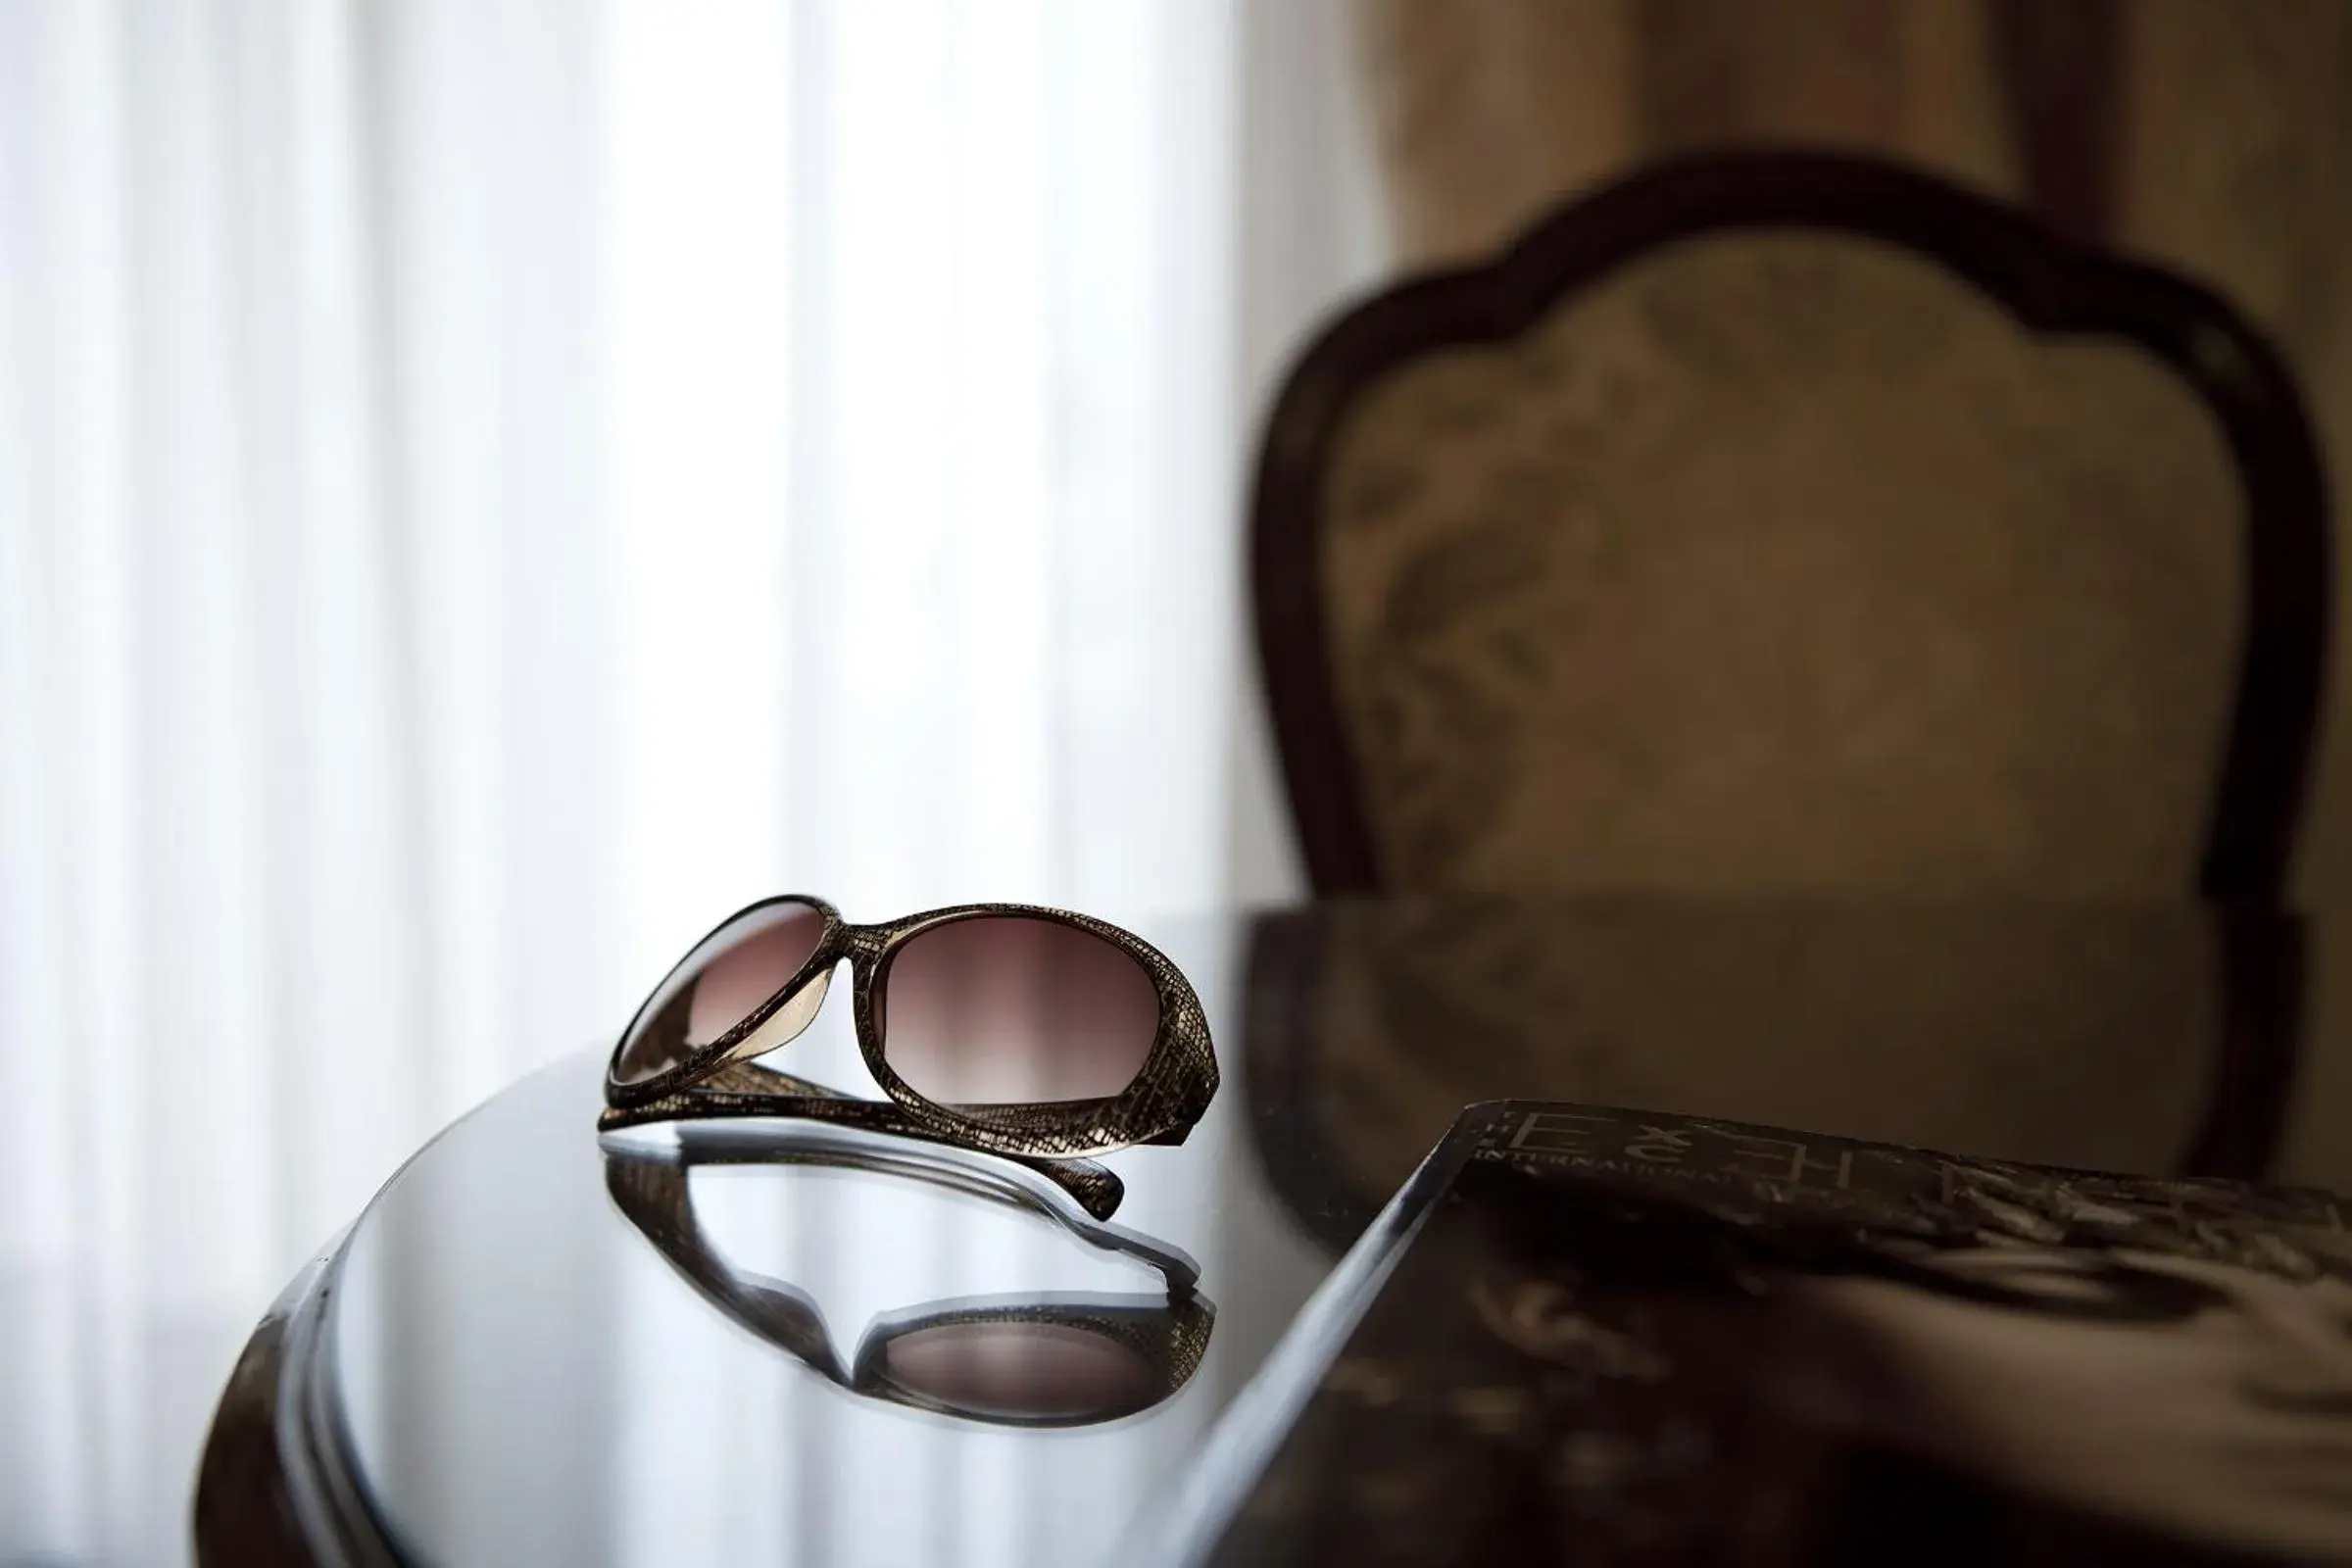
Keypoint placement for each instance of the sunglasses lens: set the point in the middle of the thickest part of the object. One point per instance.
(727, 975)
(1008, 1010)
(1020, 1371)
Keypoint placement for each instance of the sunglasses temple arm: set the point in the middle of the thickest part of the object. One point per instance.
(652, 1192)
(1093, 1188)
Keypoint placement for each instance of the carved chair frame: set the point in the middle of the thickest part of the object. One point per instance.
(2048, 285)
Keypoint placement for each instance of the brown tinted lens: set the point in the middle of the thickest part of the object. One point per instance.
(1006, 1010)
(1020, 1371)
(730, 972)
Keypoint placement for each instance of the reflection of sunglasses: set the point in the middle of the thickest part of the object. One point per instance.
(1024, 1032)
(1058, 1360)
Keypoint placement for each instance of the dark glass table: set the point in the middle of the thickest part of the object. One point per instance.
(523, 1351)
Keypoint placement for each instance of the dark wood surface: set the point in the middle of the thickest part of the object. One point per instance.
(2049, 285)
(496, 1365)
(2061, 74)
(273, 1486)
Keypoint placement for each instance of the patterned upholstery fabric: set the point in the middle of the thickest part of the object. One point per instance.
(1785, 560)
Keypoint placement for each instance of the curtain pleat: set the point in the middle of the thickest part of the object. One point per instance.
(486, 486)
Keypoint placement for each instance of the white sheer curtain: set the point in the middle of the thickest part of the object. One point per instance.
(488, 485)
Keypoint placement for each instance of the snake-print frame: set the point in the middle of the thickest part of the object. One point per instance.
(1170, 1091)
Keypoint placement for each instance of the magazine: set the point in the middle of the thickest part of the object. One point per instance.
(1616, 1337)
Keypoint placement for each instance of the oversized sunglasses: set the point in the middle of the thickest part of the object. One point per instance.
(1032, 1033)
(1042, 1360)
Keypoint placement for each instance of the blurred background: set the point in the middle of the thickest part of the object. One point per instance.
(488, 488)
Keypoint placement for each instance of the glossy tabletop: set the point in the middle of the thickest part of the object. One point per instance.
(540, 1345)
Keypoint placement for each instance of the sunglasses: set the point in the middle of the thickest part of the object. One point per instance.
(1060, 1360)
(1035, 1034)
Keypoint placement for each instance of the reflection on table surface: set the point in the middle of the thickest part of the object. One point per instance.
(528, 1376)
(1030, 1357)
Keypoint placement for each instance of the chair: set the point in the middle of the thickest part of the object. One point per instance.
(1791, 521)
